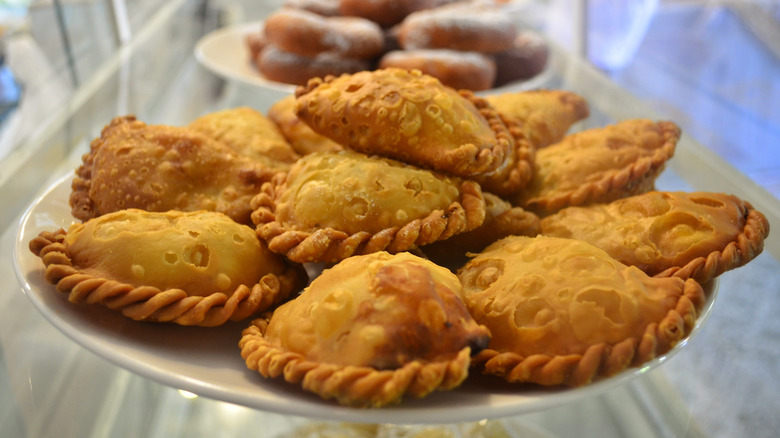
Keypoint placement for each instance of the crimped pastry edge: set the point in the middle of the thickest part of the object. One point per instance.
(599, 360)
(745, 247)
(148, 303)
(466, 160)
(357, 386)
(331, 245)
(633, 179)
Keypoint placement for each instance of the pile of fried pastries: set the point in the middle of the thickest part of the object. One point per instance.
(383, 236)
(466, 44)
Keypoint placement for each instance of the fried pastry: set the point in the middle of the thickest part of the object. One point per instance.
(369, 331)
(501, 220)
(250, 133)
(197, 268)
(301, 137)
(332, 205)
(161, 168)
(599, 165)
(546, 115)
(563, 312)
(407, 116)
(698, 235)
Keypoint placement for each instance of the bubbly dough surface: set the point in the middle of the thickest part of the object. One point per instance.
(404, 115)
(378, 310)
(250, 133)
(198, 252)
(351, 192)
(556, 296)
(656, 230)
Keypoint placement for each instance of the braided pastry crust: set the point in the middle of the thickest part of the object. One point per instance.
(305, 238)
(747, 246)
(599, 165)
(150, 303)
(599, 360)
(563, 312)
(358, 386)
(408, 116)
(695, 235)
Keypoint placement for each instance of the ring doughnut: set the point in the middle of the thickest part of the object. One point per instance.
(466, 27)
(460, 70)
(386, 13)
(281, 66)
(308, 34)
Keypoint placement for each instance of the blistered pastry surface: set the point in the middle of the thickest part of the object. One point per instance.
(407, 116)
(199, 252)
(161, 168)
(250, 133)
(660, 230)
(599, 164)
(557, 296)
(546, 115)
(351, 192)
(378, 310)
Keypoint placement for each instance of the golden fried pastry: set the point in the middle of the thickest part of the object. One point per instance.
(332, 205)
(369, 331)
(563, 312)
(501, 220)
(461, 26)
(599, 165)
(161, 168)
(250, 133)
(459, 70)
(386, 13)
(697, 235)
(514, 173)
(301, 137)
(408, 116)
(306, 33)
(546, 115)
(196, 268)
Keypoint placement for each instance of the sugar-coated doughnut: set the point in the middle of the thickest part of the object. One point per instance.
(456, 69)
(281, 66)
(386, 13)
(459, 26)
(526, 59)
(306, 33)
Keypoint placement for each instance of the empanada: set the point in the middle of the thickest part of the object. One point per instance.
(301, 137)
(161, 168)
(546, 115)
(196, 268)
(698, 235)
(599, 165)
(332, 205)
(563, 312)
(407, 116)
(501, 220)
(250, 133)
(369, 331)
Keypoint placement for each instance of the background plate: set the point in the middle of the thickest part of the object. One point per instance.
(207, 361)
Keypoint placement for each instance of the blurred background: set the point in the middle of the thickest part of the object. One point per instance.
(713, 66)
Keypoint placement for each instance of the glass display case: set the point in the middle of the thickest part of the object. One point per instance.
(720, 383)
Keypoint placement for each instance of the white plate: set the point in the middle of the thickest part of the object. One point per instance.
(225, 53)
(207, 361)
